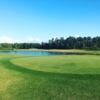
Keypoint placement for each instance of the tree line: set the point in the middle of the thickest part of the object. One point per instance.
(58, 43)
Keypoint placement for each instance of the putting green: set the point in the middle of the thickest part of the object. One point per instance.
(72, 64)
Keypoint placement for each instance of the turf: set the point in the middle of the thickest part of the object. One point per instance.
(73, 77)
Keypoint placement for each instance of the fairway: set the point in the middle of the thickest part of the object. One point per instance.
(65, 77)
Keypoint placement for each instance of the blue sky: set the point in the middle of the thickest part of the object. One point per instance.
(40, 20)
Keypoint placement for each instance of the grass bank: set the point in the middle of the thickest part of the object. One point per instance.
(70, 77)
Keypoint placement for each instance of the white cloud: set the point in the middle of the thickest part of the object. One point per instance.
(37, 40)
(6, 39)
(30, 39)
(17, 41)
(77, 35)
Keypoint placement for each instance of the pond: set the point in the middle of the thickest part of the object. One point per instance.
(33, 53)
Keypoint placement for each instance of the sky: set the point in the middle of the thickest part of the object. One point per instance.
(41, 20)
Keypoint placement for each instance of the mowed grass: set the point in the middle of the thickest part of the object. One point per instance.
(70, 77)
(72, 64)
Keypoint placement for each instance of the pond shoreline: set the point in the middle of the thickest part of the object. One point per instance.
(70, 51)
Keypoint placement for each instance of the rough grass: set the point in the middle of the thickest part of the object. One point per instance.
(49, 78)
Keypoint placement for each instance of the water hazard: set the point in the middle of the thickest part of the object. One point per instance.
(32, 53)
